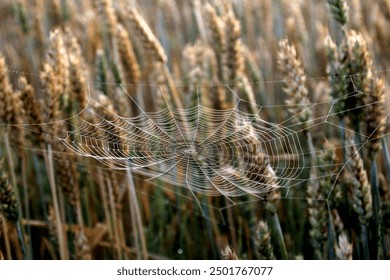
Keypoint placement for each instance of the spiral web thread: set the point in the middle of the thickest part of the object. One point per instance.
(203, 150)
(202, 154)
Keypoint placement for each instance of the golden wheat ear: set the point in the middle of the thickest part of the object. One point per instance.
(361, 189)
(344, 248)
(8, 202)
(293, 74)
(11, 107)
(374, 112)
(228, 253)
(77, 72)
(234, 60)
(149, 41)
(263, 241)
(339, 10)
(127, 56)
(33, 110)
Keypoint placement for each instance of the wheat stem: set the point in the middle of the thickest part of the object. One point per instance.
(40, 185)
(21, 240)
(114, 225)
(6, 238)
(104, 200)
(212, 222)
(386, 156)
(331, 253)
(276, 229)
(232, 227)
(344, 186)
(60, 231)
(364, 236)
(376, 203)
(135, 205)
(11, 164)
(26, 205)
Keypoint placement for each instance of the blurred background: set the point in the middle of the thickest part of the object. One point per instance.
(318, 68)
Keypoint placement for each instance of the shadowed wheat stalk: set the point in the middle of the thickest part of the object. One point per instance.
(71, 67)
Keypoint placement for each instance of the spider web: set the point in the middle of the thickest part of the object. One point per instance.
(209, 152)
(202, 155)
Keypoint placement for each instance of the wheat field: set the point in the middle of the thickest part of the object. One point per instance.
(199, 129)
